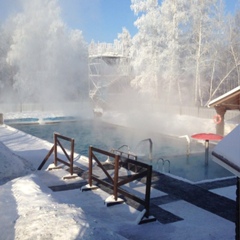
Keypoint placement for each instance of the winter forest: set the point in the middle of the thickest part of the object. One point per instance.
(185, 52)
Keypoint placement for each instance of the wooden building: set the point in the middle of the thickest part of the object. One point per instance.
(228, 101)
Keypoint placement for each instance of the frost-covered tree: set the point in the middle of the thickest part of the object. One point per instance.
(145, 48)
(158, 48)
(178, 50)
(229, 58)
(206, 22)
(234, 44)
(173, 22)
(50, 59)
(125, 41)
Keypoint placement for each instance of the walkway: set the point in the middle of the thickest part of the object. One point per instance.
(175, 189)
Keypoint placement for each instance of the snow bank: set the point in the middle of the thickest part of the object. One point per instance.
(11, 166)
(31, 208)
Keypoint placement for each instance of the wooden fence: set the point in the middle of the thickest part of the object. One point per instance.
(116, 180)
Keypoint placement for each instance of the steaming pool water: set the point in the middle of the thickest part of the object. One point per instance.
(169, 154)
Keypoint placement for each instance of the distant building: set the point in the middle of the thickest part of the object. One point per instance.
(109, 74)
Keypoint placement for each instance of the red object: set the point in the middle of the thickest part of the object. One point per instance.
(217, 119)
(207, 136)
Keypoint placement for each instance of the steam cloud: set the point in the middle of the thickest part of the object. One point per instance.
(43, 60)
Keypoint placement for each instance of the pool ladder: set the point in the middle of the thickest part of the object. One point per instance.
(133, 155)
(149, 140)
(188, 143)
(163, 164)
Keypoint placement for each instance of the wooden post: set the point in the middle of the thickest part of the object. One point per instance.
(148, 190)
(115, 182)
(220, 126)
(90, 167)
(55, 149)
(72, 156)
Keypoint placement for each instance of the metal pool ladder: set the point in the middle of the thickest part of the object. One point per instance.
(163, 164)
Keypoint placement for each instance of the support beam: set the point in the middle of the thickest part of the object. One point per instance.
(221, 110)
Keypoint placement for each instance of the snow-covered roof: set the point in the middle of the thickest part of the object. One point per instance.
(231, 99)
(105, 49)
(107, 55)
(227, 152)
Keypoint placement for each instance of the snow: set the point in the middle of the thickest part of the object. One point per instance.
(228, 149)
(31, 210)
(226, 192)
(228, 94)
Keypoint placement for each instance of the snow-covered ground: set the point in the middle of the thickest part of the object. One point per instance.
(31, 210)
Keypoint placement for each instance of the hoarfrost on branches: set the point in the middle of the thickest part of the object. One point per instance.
(47, 55)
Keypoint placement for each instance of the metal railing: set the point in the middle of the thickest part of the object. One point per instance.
(149, 140)
(163, 164)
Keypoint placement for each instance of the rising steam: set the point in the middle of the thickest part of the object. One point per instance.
(47, 61)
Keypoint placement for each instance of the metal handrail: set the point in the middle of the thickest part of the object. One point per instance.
(188, 143)
(163, 163)
(150, 147)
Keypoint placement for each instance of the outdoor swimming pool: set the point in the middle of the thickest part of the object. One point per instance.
(169, 154)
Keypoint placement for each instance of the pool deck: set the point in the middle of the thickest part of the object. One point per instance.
(178, 203)
(184, 210)
(198, 194)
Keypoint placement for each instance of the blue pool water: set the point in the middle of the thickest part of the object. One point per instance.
(93, 132)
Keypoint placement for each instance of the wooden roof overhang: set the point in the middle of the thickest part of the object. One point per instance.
(228, 101)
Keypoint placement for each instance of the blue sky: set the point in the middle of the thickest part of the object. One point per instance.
(102, 20)
(99, 20)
